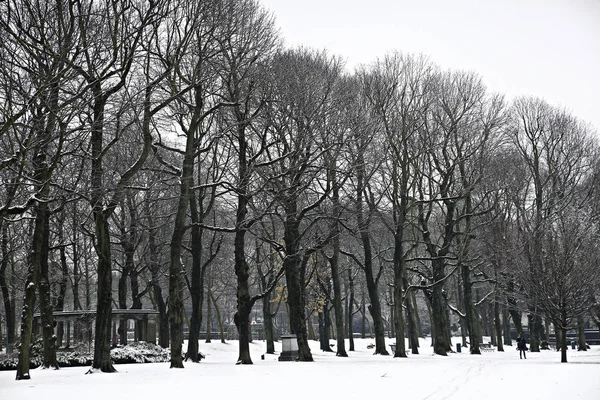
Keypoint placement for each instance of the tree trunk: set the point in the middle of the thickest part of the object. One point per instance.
(244, 306)
(208, 318)
(535, 325)
(350, 311)
(498, 325)
(582, 346)
(197, 283)
(334, 261)
(9, 306)
(439, 322)
(472, 318)
(27, 314)
(47, 317)
(219, 319)
(375, 306)
(411, 311)
(399, 278)
(294, 267)
(60, 300)
(563, 345)
(176, 308)
(122, 296)
(324, 328)
(268, 324)
(102, 332)
(506, 327)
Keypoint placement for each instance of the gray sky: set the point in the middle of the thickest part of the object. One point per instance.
(545, 48)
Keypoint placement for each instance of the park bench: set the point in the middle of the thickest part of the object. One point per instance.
(486, 347)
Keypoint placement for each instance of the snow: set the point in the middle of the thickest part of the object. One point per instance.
(492, 375)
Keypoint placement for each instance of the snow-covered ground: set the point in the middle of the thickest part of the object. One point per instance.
(362, 375)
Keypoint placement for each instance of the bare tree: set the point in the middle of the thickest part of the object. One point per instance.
(559, 155)
(249, 41)
(304, 83)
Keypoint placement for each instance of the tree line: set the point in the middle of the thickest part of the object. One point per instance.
(168, 144)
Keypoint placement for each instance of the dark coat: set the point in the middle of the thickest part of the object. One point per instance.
(521, 344)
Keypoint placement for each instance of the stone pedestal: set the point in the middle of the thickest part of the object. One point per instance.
(289, 348)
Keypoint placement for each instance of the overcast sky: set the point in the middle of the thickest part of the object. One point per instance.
(545, 48)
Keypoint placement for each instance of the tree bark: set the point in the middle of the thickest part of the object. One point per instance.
(176, 308)
(102, 333)
(350, 311)
(9, 306)
(28, 306)
(47, 317)
(334, 262)
(581, 346)
(294, 266)
(197, 283)
(411, 311)
(219, 319)
(472, 318)
(563, 345)
(208, 318)
(498, 324)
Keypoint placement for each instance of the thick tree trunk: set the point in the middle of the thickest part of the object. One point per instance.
(375, 306)
(208, 318)
(498, 324)
(324, 323)
(294, 267)
(506, 327)
(350, 310)
(102, 332)
(297, 314)
(472, 318)
(9, 306)
(581, 344)
(219, 318)
(197, 283)
(268, 324)
(244, 307)
(60, 300)
(47, 317)
(399, 269)
(27, 315)
(122, 301)
(334, 261)
(411, 311)
(438, 307)
(176, 308)
(535, 327)
(563, 345)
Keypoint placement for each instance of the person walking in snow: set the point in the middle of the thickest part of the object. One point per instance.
(522, 346)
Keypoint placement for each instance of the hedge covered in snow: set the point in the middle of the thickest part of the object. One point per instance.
(136, 352)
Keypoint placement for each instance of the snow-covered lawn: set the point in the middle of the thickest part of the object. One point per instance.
(362, 375)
